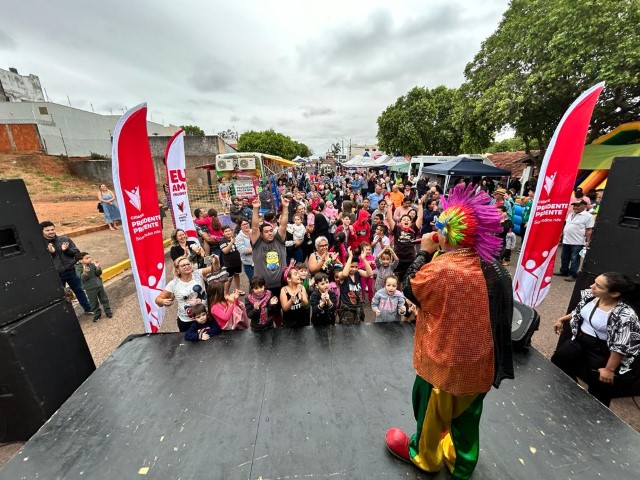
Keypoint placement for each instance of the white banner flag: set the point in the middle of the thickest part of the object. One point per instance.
(177, 183)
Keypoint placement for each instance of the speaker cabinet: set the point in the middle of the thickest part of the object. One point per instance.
(525, 323)
(44, 358)
(28, 279)
(616, 236)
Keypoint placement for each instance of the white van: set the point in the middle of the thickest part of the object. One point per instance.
(420, 161)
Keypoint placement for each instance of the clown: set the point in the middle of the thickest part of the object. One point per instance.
(462, 336)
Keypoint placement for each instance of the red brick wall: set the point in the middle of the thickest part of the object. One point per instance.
(19, 139)
(5, 144)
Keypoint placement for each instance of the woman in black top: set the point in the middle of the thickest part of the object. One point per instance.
(181, 247)
(321, 225)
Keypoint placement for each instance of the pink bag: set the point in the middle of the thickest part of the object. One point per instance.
(239, 319)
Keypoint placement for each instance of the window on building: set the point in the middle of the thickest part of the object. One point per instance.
(43, 110)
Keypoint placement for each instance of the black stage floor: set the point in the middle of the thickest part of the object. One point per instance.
(309, 403)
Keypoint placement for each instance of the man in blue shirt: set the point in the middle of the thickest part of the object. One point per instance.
(375, 197)
(356, 184)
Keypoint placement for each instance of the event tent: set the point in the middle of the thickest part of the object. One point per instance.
(465, 167)
(401, 167)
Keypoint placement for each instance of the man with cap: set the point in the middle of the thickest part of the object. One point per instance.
(575, 236)
(500, 199)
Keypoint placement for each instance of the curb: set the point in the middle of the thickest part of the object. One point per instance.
(115, 270)
(85, 230)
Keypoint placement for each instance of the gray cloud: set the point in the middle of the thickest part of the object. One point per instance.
(329, 77)
(208, 82)
(379, 40)
(308, 112)
(6, 42)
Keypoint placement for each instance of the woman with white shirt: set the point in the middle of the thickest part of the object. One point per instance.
(605, 337)
(243, 244)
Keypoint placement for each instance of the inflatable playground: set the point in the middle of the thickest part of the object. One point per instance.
(624, 141)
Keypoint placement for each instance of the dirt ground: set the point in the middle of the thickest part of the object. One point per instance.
(68, 201)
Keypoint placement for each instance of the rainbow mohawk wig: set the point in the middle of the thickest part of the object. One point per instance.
(470, 221)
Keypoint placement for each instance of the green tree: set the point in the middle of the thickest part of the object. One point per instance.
(514, 144)
(271, 142)
(545, 53)
(192, 130)
(426, 122)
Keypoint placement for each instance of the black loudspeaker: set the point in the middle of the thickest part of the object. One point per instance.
(525, 323)
(28, 279)
(44, 358)
(616, 235)
(615, 241)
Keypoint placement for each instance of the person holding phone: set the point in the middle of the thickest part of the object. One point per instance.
(187, 288)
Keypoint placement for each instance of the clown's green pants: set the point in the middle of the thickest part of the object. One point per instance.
(448, 428)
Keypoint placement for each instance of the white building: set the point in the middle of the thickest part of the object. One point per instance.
(18, 88)
(360, 149)
(69, 131)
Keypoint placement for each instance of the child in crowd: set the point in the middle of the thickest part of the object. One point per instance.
(323, 302)
(260, 305)
(303, 272)
(311, 216)
(351, 303)
(346, 228)
(389, 303)
(367, 282)
(269, 216)
(386, 261)
(90, 273)
(340, 247)
(200, 218)
(223, 193)
(510, 244)
(223, 308)
(216, 225)
(294, 301)
(298, 230)
(204, 327)
(334, 282)
(231, 259)
(380, 239)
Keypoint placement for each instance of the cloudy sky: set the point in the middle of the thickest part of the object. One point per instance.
(316, 71)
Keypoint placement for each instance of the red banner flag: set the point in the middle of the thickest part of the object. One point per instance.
(135, 186)
(551, 201)
(177, 183)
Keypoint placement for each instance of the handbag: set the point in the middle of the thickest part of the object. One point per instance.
(239, 319)
(220, 276)
(100, 208)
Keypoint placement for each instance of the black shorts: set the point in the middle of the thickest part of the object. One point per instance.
(234, 270)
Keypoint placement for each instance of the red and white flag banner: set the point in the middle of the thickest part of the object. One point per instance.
(177, 183)
(557, 176)
(135, 186)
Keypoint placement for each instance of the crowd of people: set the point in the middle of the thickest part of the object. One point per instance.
(323, 248)
(320, 250)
